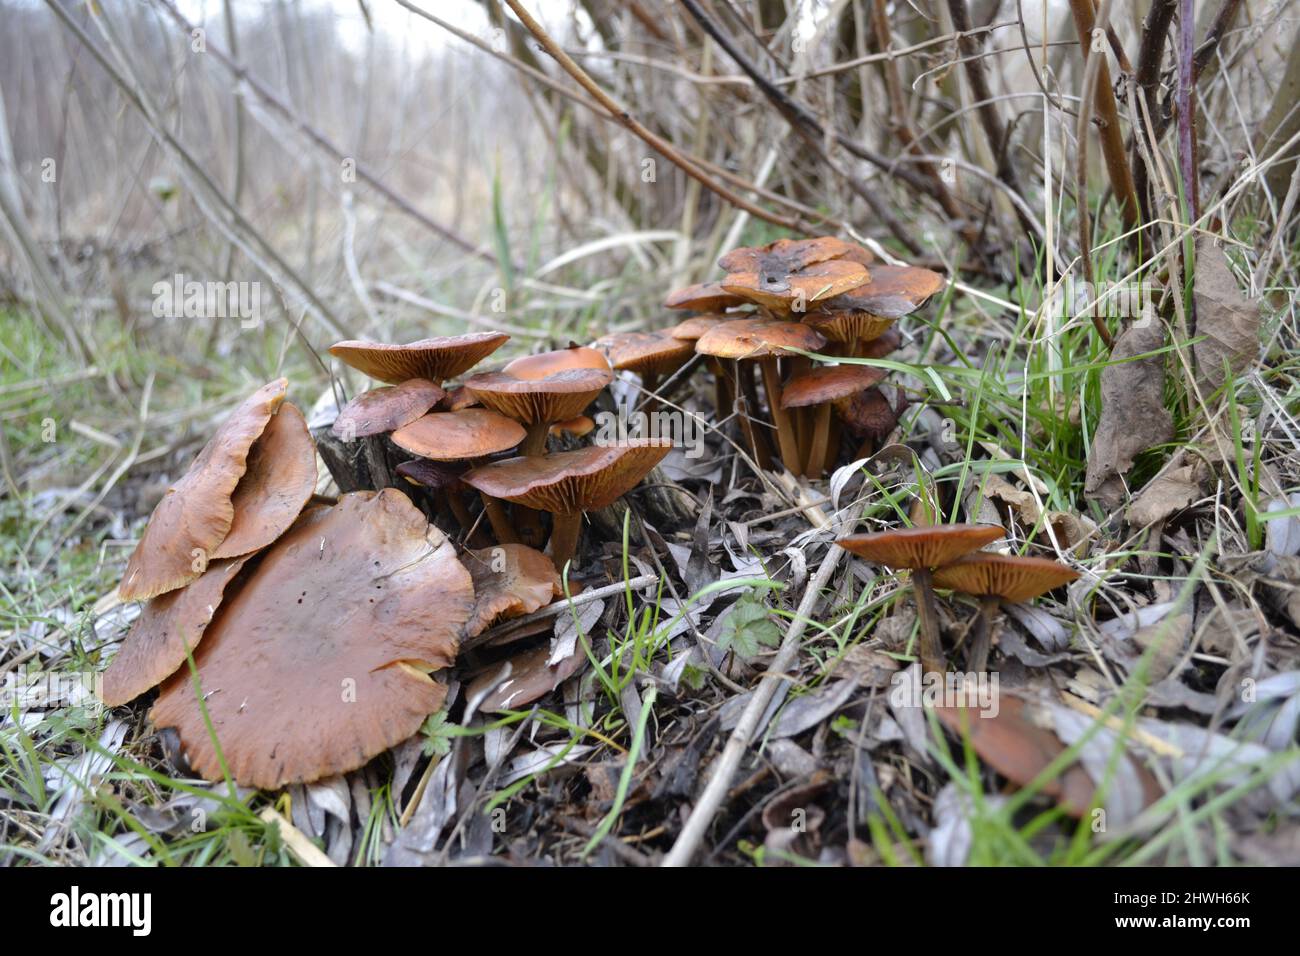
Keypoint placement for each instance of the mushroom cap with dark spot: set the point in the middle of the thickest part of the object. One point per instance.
(155, 646)
(277, 484)
(758, 338)
(894, 291)
(782, 293)
(196, 513)
(452, 436)
(509, 580)
(791, 255)
(435, 359)
(384, 409)
(320, 661)
(916, 548)
(827, 383)
(703, 297)
(568, 482)
(656, 353)
(1010, 577)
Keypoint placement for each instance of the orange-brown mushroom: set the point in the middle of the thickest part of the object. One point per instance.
(567, 483)
(322, 658)
(865, 313)
(784, 293)
(920, 550)
(435, 359)
(531, 678)
(384, 409)
(994, 578)
(509, 580)
(791, 255)
(579, 427)
(167, 627)
(196, 513)
(651, 355)
(538, 390)
(821, 388)
(703, 297)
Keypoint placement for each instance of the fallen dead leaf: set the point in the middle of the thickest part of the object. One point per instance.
(1227, 320)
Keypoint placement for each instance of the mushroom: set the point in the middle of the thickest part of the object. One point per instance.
(579, 427)
(869, 417)
(442, 481)
(791, 255)
(436, 359)
(196, 513)
(821, 388)
(704, 297)
(384, 409)
(789, 274)
(651, 355)
(995, 578)
(919, 550)
(865, 313)
(321, 660)
(692, 329)
(468, 435)
(539, 390)
(509, 580)
(762, 340)
(567, 483)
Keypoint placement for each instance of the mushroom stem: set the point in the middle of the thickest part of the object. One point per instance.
(565, 529)
(534, 442)
(747, 406)
(649, 384)
(780, 417)
(821, 433)
(501, 526)
(982, 639)
(722, 401)
(927, 616)
(832, 445)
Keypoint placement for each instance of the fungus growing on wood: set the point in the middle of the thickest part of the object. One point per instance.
(196, 513)
(567, 483)
(321, 660)
(435, 359)
(995, 578)
(919, 550)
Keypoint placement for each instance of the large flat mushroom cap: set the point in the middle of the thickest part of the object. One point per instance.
(277, 484)
(894, 291)
(509, 580)
(1010, 577)
(155, 646)
(927, 547)
(195, 514)
(569, 482)
(813, 284)
(453, 436)
(758, 338)
(317, 663)
(703, 297)
(556, 397)
(434, 359)
(791, 255)
(828, 383)
(387, 408)
(645, 352)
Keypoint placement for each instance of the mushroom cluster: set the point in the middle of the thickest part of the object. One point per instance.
(294, 637)
(780, 301)
(948, 556)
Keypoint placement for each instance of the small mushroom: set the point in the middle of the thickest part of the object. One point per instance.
(579, 427)
(704, 297)
(651, 355)
(196, 513)
(539, 390)
(821, 388)
(567, 483)
(995, 578)
(321, 660)
(509, 580)
(384, 409)
(919, 550)
(865, 313)
(436, 359)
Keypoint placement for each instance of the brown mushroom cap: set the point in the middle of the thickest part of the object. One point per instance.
(827, 383)
(883, 344)
(576, 427)
(509, 580)
(867, 414)
(278, 482)
(915, 548)
(155, 646)
(790, 255)
(458, 398)
(782, 292)
(452, 436)
(848, 326)
(430, 474)
(694, 327)
(1010, 577)
(758, 338)
(435, 359)
(703, 297)
(531, 679)
(196, 513)
(384, 409)
(894, 291)
(318, 663)
(653, 353)
(544, 388)
(569, 482)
